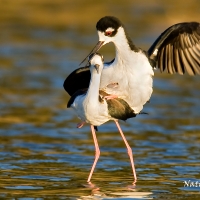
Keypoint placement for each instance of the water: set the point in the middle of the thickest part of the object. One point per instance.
(43, 155)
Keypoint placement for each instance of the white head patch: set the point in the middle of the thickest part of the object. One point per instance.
(109, 29)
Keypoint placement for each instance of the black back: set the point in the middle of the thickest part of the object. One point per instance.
(77, 80)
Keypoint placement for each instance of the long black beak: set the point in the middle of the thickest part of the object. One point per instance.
(94, 51)
(97, 68)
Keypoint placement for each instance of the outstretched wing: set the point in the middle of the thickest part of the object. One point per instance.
(77, 80)
(177, 49)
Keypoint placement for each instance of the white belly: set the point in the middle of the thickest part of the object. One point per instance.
(91, 113)
(134, 80)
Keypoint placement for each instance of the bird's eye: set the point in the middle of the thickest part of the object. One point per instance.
(108, 33)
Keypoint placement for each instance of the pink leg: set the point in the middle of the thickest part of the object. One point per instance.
(129, 151)
(97, 152)
(110, 97)
(80, 125)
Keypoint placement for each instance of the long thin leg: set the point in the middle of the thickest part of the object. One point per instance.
(108, 97)
(97, 152)
(129, 151)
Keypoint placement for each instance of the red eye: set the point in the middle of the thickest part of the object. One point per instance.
(108, 33)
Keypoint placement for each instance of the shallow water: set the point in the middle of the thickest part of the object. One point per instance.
(43, 155)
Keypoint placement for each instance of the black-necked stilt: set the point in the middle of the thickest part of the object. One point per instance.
(91, 107)
(129, 75)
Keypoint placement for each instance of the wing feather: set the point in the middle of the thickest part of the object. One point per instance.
(178, 49)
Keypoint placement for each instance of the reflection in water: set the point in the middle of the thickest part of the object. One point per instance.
(122, 193)
(43, 154)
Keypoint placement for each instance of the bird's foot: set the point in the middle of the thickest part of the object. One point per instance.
(91, 185)
(132, 186)
(110, 97)
(80, 125)
(134, 183)
(112, 85)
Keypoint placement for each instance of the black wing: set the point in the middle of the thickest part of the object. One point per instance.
(73, 97)
(119, 109)
(177, 49)
(77, 80)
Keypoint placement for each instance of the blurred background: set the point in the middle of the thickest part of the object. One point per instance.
(42, 153)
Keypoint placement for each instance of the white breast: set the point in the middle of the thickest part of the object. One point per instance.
(134, 78)
(90, 112)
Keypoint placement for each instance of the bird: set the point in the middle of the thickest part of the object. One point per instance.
(130, 74)
(91, 106)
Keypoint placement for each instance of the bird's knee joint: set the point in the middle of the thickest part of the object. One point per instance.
(97, 153)
(129, 151)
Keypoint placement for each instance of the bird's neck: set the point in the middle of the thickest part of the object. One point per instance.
(125, 49)
(92, 96)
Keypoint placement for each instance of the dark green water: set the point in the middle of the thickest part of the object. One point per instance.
(44, 156)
